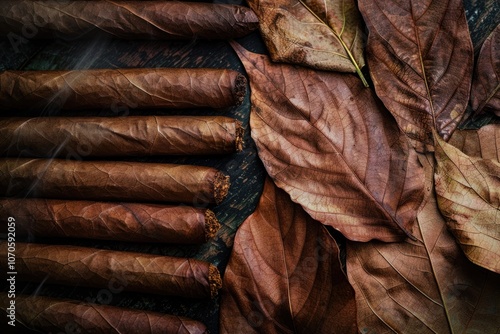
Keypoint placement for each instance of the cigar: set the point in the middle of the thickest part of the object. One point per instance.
(55, 315)
(112, 180)
(134, 222)
(126, 19)
(112, 89)
(98, 268)
(119, 136)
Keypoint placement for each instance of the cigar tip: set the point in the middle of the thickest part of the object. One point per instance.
(221, 187)
(240, 88)
(212, 224)
(215, 280)
(239, 137)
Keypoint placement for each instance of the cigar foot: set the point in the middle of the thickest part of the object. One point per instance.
(215, 280)
(221, 187)
(211, 224)
(240, 88)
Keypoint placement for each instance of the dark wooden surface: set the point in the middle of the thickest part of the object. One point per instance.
(246, 171)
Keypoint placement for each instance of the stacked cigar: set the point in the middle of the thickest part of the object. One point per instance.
(78, 177)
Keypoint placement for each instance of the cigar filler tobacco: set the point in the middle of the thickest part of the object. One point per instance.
(137, 272)
(117, 88)
(53, 315)
(134, 222)
(112, 180)
(127, 19)
(119, 136)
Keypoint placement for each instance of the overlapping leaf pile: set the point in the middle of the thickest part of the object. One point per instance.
(417, 200)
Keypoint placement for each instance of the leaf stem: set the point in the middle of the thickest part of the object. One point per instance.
(349, 54)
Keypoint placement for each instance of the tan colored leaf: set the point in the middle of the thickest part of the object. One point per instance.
(326, 35)
(468, 193)
(420, 57)
(485, 93)
(329, 143)
(423, 286)
(284, 274)
(483, 143)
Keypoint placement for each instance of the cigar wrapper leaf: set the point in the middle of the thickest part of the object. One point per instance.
(89, 137)
(137, 272)
(133, 222)
(112, 180)
(112, 88)
(127, 19)
(53, 315)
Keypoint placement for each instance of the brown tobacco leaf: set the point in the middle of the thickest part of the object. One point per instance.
(420, 57)
(483, 143)
(331, 145)
(52, 315)
(423, 286)
(485, 93)
(468, 194)
(284, 274)
(126, 19)
(325, 35)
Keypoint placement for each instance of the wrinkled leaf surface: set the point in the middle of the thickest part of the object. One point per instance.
(284, 274)
(319, 34)
(423, 286)
(468, 194)
(485, 93)
(331, 145)
(420, 57)
(482, 143)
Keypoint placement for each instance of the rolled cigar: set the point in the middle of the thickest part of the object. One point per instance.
(118, 88)
(111, 221)
(98, 268)
(119, 136)
(126, 19)
(53, 315)
(116, 180)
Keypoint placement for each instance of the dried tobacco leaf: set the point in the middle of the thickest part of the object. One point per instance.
(331, 145)
(423, 286)
(482, 143)
(119, 88)
(52, 315)
(420, 57)
(119, 136)
(468, 195)
(136, 222)
(485, 92)
(284, 274)
(112, 180)
(92, 267)
(326, 35)
(126, 19)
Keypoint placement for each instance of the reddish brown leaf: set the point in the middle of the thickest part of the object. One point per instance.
(325, 35)
(420, 56)
(423, 286)
(284, 274)
(331, 145)
(485, 94)
(483, 143)
(468, 194)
